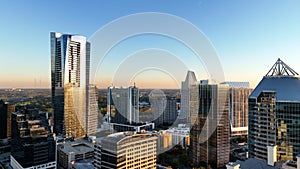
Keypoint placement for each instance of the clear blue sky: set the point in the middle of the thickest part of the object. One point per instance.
(249, 35)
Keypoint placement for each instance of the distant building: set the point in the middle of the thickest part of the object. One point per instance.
(164, 109)
(180, 135)
(186, 85)
(126, 150)
(238, 107)
(116, 127)
(92, 115)
(31, 145)
(210, 136)
(164, 141)
(80, 151)
(170, 113)
(70, 70)
(123, 105)
(158, 102)
(274, 114)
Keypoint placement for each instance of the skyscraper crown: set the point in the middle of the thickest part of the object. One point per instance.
(281, 69)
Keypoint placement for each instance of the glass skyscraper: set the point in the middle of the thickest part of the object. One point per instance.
(123, 105)
(210, 139)
(70, 71)
(274, 114)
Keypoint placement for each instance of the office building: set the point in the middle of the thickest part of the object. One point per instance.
(185, 105)
(123, 105)
(32, 146)
(117, 127)
(210, 137)
(5, 149)
(3, 119)
(180, 135)
(274, 118)
(158, 103)
(164, 141)
(126, 150)
(78, 152)
(93, 111)
(70, 71)
(238, 107)
(164, 109)
(170, 112)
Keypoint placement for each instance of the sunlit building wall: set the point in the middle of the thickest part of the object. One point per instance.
(70, 68)
(238, 106)
(126, 150)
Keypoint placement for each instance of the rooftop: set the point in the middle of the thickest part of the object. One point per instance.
(280, 79)
(252, 163)
(237, 84)
(79, 146)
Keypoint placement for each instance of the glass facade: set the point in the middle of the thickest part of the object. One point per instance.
(262, 124)
(123, 105)
(210, 137)
(70, 67)
(274, 114)
(288, 130)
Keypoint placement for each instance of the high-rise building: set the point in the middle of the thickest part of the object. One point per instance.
(70, 70)
(126, 150)
(210, 137)
(31, 145)
(123, 105)
(186, 85)
(238, 107)
(170, 113)
(158, 104)
(10, 110)
(92, 116)
(164, 109)
(274, 114)
(3, 119)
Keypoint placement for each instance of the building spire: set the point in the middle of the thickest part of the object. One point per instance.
(281, 69)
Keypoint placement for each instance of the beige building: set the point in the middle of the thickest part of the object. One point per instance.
(238, 107)
(126, 150)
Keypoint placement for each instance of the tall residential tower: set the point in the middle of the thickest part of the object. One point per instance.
(70, 71)
(238, 107)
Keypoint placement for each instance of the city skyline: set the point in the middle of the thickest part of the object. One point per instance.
(241, 32)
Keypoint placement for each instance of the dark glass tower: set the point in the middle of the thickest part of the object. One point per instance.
(3, 119)
(31, 145)
(274, 114)
(210, 137)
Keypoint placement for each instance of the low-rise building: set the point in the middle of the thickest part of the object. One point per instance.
(70, 153)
